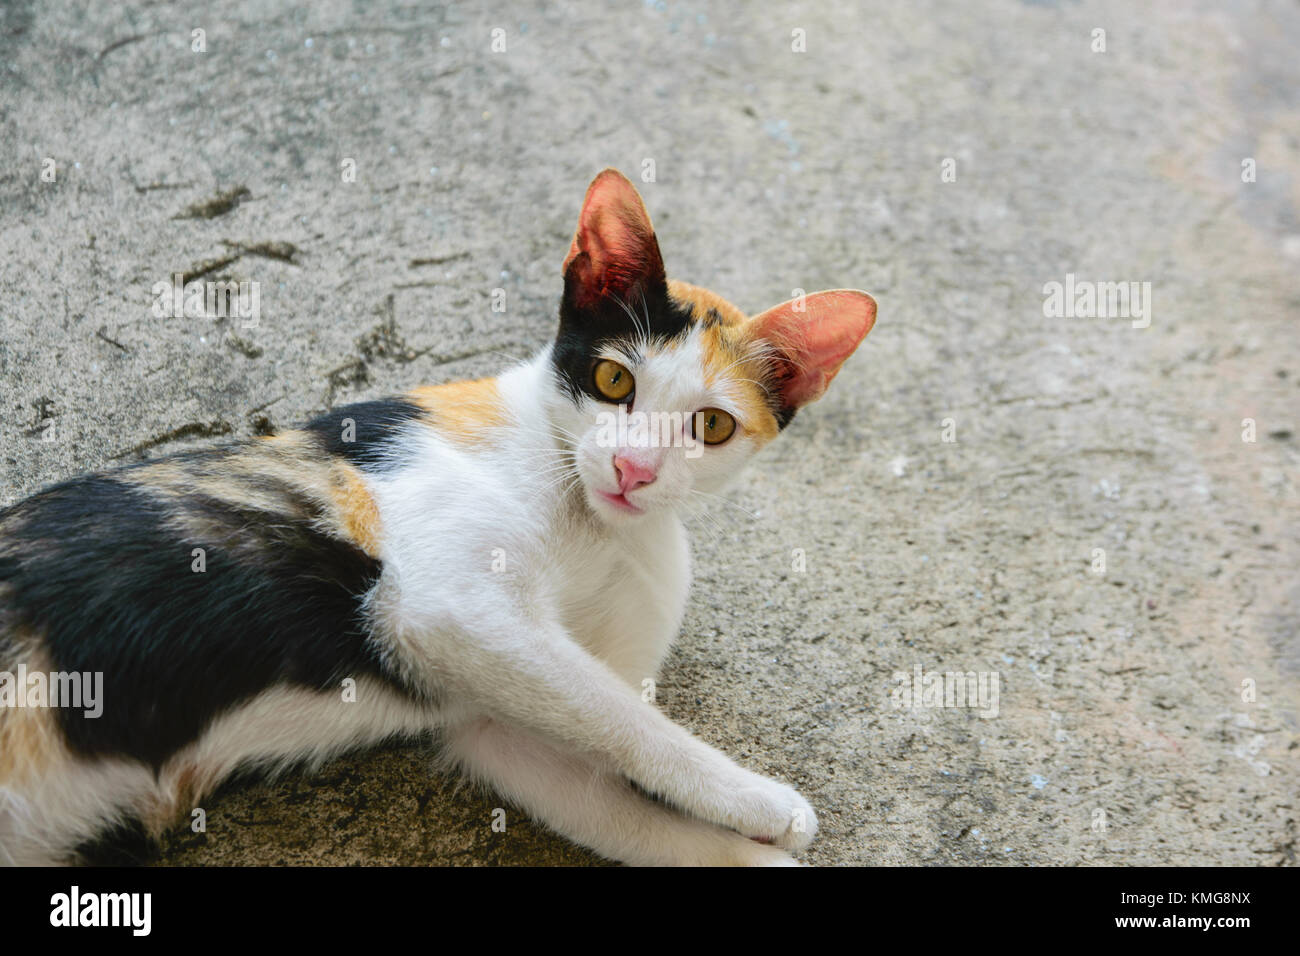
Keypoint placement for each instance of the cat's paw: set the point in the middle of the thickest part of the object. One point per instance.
(773, 813)
(768, 856)
(725, 848)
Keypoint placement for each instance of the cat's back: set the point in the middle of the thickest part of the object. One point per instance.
(196, 581)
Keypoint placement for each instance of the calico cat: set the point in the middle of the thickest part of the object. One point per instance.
(502, 560)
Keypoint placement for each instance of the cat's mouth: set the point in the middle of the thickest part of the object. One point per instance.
(620, 502)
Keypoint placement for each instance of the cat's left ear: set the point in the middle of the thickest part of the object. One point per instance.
(614, 251)
(814, 335)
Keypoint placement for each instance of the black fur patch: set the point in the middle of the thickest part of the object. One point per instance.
(374, 426)
(583, 330)
(123, 844)
(99, 570)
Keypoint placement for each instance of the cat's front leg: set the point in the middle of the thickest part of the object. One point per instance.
(533, 675)
(587, 801)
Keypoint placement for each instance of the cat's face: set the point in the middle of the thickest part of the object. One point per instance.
(661, 421)
(667, 389)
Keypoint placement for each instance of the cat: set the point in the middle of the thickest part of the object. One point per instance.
(502, 561)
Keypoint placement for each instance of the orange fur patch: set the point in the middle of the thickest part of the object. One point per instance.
(702, 301)
(729, 353)
(358, 515)
(465, 412)
(30, 738)
(291, 441)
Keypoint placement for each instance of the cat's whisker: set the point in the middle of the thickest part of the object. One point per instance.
(761, 386)
(743, 360)
(727, 501)
(554, 461)
(645, 310)
(709, 525)
(547, 450)
(558, 474)
(564, 432)
(636, 322)
(553, 473)
(562, 483)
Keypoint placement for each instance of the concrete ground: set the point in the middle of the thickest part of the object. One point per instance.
(948, 498)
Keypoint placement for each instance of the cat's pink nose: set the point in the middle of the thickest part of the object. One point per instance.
(631, 475)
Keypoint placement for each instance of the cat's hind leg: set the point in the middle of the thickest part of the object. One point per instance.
(51, 799)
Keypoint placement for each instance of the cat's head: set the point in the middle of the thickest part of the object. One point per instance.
(668, 390)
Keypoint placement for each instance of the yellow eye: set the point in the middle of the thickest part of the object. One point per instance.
(613, 381)
(713, 426)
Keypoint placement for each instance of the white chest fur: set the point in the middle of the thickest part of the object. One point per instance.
(623, 597)
(471, 532)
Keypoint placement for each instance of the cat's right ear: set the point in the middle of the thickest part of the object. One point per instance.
(614, 251)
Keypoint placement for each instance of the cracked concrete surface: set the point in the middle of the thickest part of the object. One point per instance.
(1123, 734)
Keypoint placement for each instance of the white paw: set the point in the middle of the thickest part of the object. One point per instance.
(725, 848)
(770, 812)
(768, 856)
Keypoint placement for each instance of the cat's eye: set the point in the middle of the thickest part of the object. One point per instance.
(712, 426)
(613, 381)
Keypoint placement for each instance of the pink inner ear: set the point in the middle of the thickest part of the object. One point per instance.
(818, 339)
(615, 233)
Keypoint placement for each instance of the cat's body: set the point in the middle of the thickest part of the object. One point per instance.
(473, 558)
